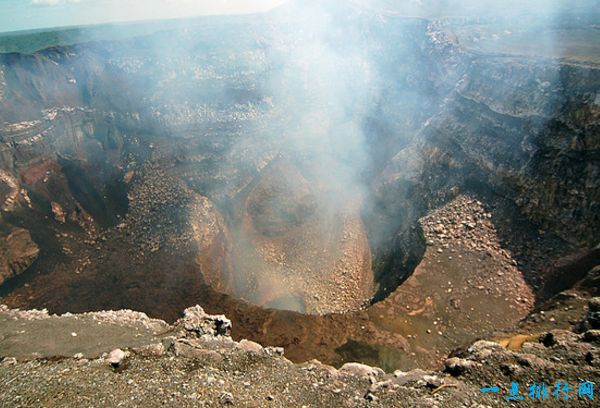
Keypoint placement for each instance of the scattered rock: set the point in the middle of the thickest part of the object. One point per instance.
(151, 350)
(57, 211)
(360, 370)
(197, 322)
(379, 385)
(9, 361)
(274, 351)
(593, 314)
(185, 348)
(557, 338)
(482, 345)
(592, 336)
(432, 381)
(458, 366)
(370, 397)
(226, 398)
(116, 358)
(250, 346)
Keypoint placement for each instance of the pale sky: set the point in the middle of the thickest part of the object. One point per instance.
(30, 14)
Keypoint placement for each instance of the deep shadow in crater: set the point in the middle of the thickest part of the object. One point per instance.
(105, 206)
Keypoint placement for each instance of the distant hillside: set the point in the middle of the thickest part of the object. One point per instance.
(33, 40)
(30, 41)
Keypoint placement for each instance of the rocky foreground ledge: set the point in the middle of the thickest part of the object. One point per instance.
(124, 358)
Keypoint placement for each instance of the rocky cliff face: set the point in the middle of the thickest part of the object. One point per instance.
(17, 251)
(527, 129)
(523, 129)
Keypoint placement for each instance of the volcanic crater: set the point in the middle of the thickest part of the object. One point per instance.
(384, 201)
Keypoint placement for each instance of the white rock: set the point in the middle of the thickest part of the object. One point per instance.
(250, 346)
(116, 357)
(360, 370)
